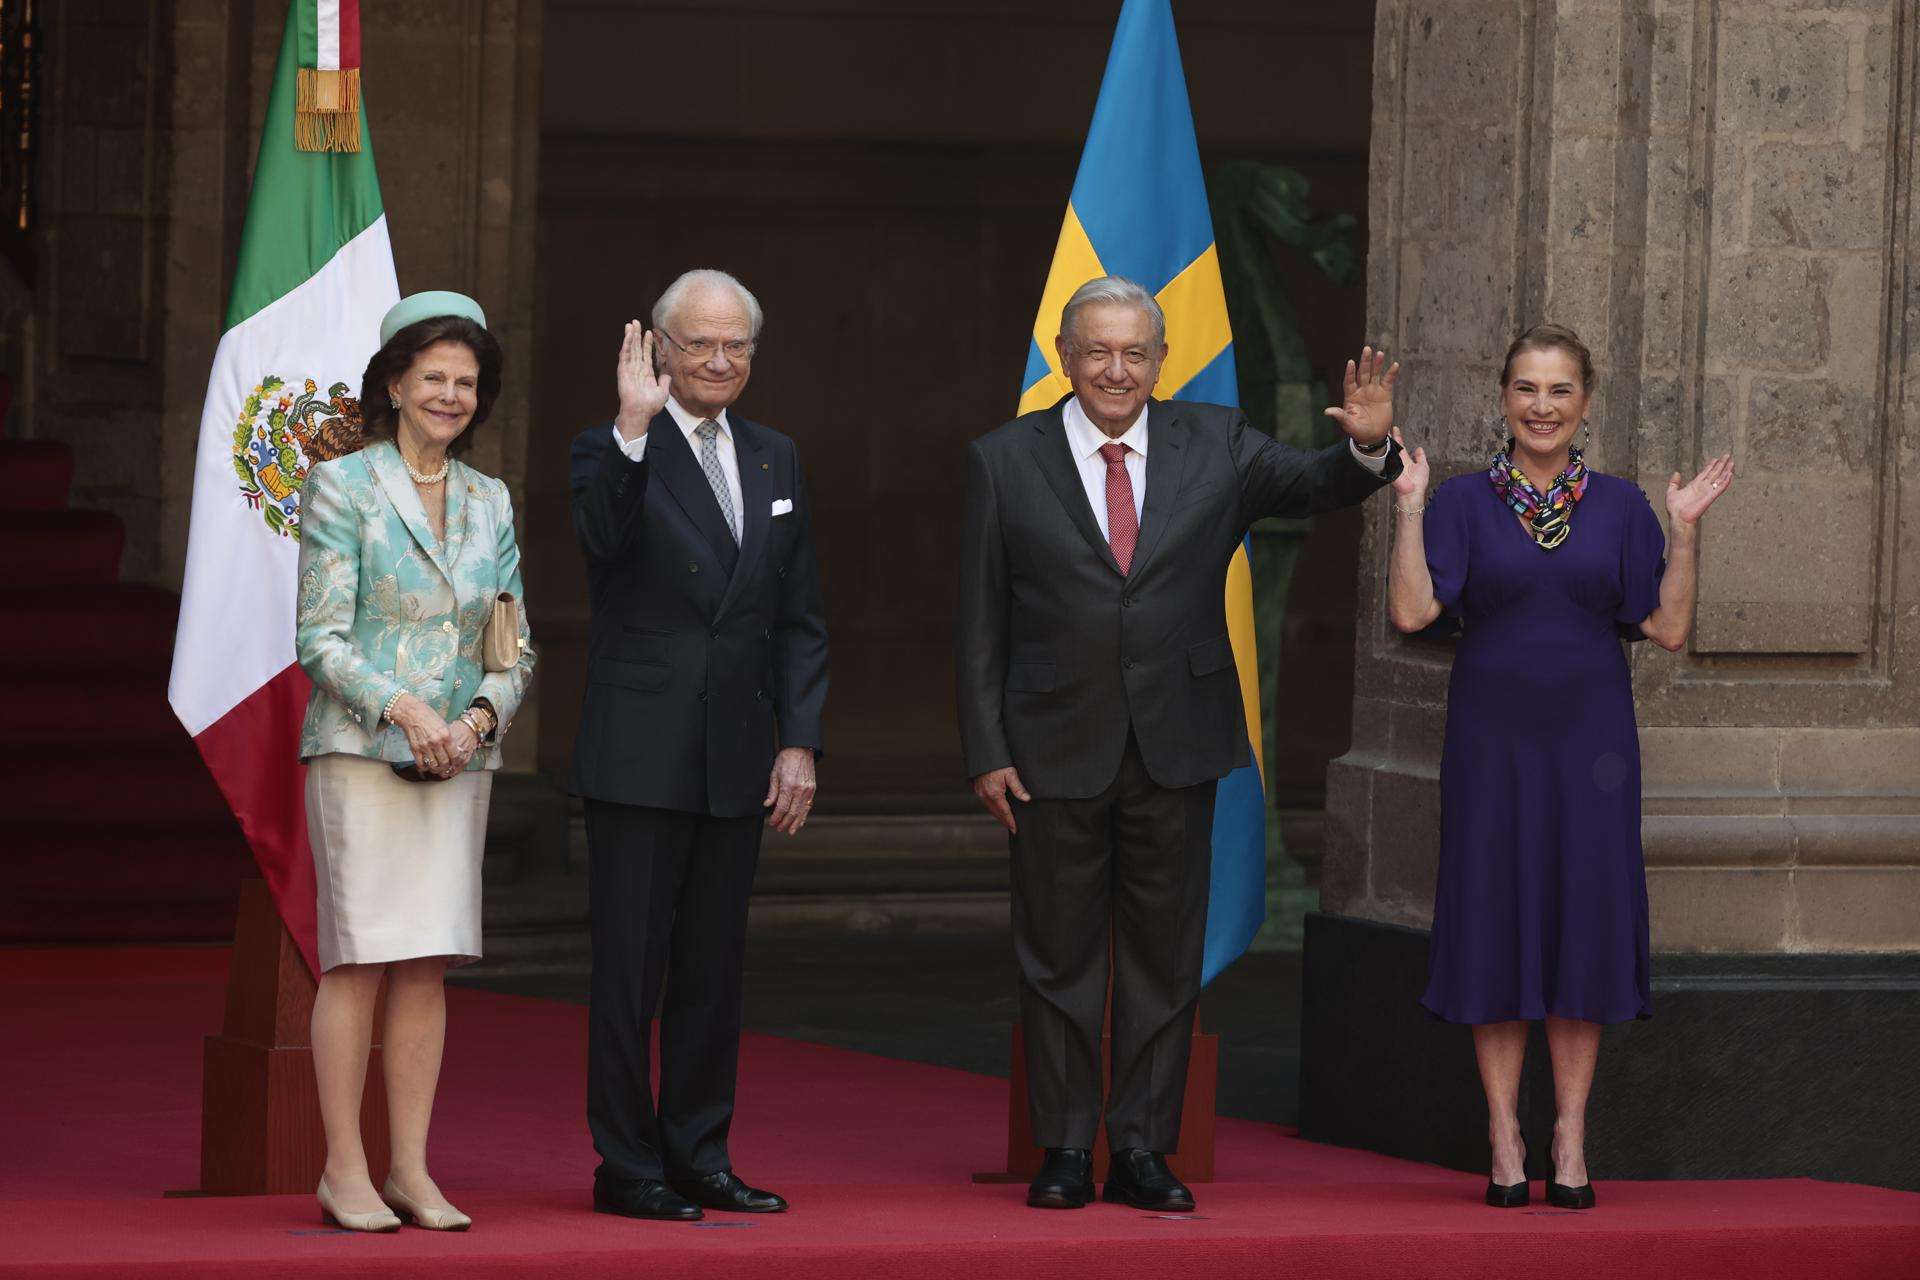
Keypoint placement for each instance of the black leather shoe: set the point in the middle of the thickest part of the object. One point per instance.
(643, 1198)
(1513, 1197)
(1562, 1196)
(1065, 1180)
(724, 1191)
(1142, 1179)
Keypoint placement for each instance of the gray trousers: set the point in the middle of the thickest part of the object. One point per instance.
(1127, 870)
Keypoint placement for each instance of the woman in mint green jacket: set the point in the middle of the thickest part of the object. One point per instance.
(403, 552)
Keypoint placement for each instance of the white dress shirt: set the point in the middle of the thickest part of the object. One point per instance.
(1084, 441)
(636, 450)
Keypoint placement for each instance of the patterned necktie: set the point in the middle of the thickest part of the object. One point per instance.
(709, 433)
(1123, 522)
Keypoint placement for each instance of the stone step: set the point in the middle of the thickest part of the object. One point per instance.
(40, 548)
(35, 475)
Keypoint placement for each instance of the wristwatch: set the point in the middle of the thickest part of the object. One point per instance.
(1377, 448)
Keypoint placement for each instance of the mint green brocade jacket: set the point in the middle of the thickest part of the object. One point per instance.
(384, 606)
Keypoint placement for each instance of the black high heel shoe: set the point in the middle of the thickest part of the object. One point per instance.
(1562, 1196)
(1510, 1197)
(1513, 1197)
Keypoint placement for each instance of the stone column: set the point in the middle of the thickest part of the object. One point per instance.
(1718, 195)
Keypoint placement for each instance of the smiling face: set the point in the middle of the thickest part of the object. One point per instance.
(437, 395)
(1544, 403)
(1113, 363)
(707, 379)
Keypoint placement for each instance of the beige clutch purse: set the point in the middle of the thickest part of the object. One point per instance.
(500, 642)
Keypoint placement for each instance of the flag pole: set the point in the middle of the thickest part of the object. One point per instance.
(1151, 224)
(314, 276)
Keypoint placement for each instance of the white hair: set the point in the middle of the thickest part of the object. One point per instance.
(1115, 290)
(706, 278)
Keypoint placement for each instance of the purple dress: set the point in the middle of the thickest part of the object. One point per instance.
(1541, 901)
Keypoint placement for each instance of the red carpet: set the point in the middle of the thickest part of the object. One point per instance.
(99, 1094)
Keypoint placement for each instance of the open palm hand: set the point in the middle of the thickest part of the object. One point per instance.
(643, 389)
(1687, 503)
(1366, 409)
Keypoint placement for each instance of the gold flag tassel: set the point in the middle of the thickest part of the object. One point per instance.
(326, 110)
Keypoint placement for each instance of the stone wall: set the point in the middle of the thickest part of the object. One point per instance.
(1718, 195)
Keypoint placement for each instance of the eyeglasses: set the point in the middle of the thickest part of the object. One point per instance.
(738, 351)
(1135, 357)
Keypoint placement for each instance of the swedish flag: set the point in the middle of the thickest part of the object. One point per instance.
(1139, 209)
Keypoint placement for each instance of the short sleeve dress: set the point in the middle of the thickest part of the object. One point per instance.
(1541, 902)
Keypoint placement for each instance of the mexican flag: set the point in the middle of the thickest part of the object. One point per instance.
(314, 278)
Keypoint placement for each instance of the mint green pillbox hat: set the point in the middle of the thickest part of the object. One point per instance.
(425, 306)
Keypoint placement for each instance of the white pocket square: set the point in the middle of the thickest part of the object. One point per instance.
(781, 507)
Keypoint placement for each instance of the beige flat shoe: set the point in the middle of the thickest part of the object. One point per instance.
(442, 1217)
(332, 1214)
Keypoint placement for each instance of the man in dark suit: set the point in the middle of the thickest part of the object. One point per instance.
(706, 675)
(1099, 707)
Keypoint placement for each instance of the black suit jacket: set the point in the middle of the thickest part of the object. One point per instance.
(1058, 653)
(702, 657)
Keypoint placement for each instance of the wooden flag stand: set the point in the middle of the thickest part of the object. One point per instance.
(260, 1131)
(1192, 1163)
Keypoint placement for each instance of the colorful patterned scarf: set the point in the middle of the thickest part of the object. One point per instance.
(1547, 516)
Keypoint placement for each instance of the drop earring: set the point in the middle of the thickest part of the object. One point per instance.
(393, 401)
(1586, 436)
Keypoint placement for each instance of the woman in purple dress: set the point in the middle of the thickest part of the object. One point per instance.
(1540, 910)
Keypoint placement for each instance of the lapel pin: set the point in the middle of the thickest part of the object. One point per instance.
(763, 466)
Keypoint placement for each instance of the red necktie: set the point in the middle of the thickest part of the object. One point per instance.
(1123, 522)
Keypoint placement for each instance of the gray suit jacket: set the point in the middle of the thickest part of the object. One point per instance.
(1058, 653)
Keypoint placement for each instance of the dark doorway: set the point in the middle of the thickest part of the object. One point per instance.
(889, 177)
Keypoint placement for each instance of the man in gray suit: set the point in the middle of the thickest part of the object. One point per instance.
(1099, 706)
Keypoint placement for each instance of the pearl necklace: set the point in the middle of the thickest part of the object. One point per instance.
(421, 479)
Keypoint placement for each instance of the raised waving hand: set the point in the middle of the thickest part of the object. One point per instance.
(1687, 503)
(1366, 408)
(643, 389)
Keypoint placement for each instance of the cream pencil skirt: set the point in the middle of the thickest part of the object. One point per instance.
(397, 863)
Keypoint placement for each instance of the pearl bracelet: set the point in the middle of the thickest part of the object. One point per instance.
(386, 712)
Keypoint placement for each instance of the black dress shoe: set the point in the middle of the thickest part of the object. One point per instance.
(1562, 1196)
(643, 1198)
(1065, 1180)
(1142, 1179)
(1513, 1197)
(724, 1191)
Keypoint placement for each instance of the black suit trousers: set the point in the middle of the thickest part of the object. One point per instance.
(1131, 863)
(668, 895)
